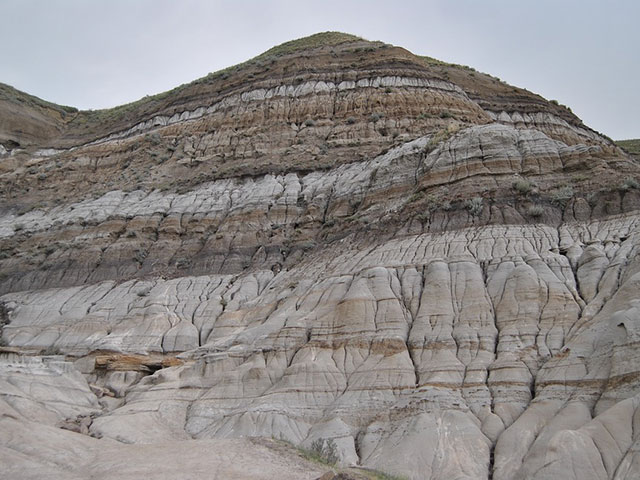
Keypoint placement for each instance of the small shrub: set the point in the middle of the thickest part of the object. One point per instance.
(376, 117)
(351, 121)
(424, 216)
(326, 449)
(562, 195)
(522, 186)
(474, 205)
(387, 90)
(630, 183)
(535, 210)
(433, 202)
(415, 197)
(445, 115)
(309, 122)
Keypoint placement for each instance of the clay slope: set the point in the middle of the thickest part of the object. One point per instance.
(404, 265)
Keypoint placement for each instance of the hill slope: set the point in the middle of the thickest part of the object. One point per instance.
(403, 264)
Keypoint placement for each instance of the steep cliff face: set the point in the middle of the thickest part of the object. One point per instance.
(406, 264)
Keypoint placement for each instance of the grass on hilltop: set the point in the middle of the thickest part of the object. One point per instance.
(630, 146)
(323, 39)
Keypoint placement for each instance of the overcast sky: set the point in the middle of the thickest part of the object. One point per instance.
(102, 53)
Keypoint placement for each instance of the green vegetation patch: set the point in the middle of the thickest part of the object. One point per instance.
(323, 39)
(630, 146)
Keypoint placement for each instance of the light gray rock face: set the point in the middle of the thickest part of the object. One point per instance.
(30, 450)
(423, 355)
(544, 122)
(40, 395)
(47, 389)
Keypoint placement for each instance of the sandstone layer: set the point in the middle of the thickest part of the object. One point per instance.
(405, 265)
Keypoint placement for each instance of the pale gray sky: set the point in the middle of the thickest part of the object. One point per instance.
(102, 53)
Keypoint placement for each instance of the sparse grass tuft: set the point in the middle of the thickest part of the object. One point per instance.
(323, 39)
(325, 450)
(562, 195)
(378, 475)
(474, 205)
(415, 196)
(630, 146)
(629, 184)
(535, 211)
(441, 136)
(522, 186)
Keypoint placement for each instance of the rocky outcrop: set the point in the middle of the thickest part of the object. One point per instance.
(434, 296)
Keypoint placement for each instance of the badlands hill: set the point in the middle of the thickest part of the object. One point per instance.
(403, 265)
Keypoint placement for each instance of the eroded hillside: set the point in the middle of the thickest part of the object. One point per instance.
(404, 263)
